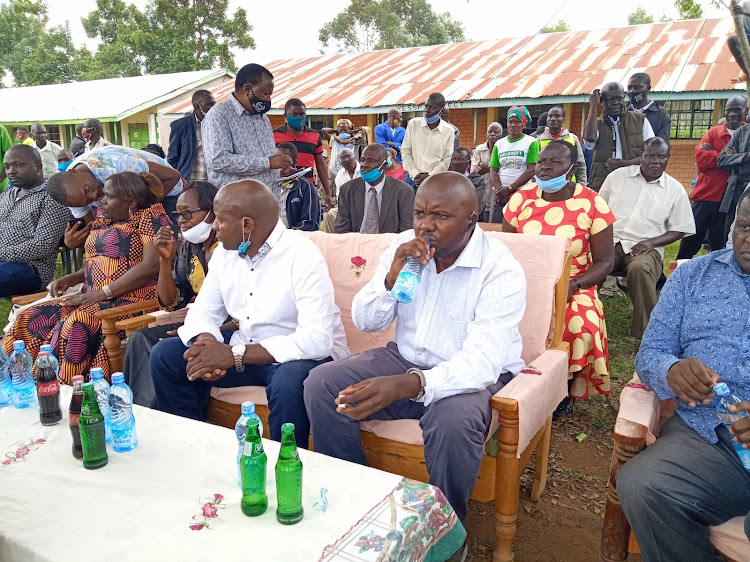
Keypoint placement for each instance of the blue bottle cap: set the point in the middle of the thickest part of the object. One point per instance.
(46, 347)
(18, 345)
(248, 408)
(721, 389)
(96, 373)
(117, 377)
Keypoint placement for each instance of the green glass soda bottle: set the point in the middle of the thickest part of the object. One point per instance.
(253, 470)
(288, 479)
(91, 424)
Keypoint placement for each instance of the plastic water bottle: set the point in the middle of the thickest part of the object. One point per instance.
(19, 366)
(6, 387)
(124, 438)
(48, 348)
(101, 389)
(408, 280)
(726, 399)
(240, 429)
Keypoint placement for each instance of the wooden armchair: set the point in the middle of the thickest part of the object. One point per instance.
(112, 322)
(639, 420)
(522, 410)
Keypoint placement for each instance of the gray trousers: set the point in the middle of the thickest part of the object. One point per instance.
(675, 489)
(642, 273)
(453, 428)
(137, 367)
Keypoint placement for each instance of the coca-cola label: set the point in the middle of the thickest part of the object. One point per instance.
(73, 419)
(48, 388)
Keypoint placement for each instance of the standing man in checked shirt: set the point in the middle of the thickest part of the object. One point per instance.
(691, 477)
(237, 135)
(457, 343)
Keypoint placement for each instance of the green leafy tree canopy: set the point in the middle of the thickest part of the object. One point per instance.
(640, 16)
(367, 25)
(559, 26)
(688, 9)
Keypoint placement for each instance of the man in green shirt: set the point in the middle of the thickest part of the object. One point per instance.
(5, 144)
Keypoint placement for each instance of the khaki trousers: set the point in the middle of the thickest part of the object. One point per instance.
(642, 274)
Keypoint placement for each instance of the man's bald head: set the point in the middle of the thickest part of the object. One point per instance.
(453, 185)
(376, 151)
(245, 210)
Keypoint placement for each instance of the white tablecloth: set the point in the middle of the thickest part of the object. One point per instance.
(141, 505)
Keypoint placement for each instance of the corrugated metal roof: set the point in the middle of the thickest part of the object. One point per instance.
(679, 56)
(113, 98)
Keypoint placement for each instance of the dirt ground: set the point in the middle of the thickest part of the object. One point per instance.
(565, 525)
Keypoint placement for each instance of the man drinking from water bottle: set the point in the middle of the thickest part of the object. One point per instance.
(457, 343)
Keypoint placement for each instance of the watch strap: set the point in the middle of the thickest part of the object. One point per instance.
(238, 364)
(422, 381)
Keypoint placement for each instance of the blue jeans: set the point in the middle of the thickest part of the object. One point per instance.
(18, 279)
(177, 395)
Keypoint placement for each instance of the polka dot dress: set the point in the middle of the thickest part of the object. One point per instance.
(577, 218)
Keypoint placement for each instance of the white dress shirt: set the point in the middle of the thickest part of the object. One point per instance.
(49, 157)
(462, 325)
(648, 133)
(645, 210)
(368, 196)
(426, 150)
(282, 299)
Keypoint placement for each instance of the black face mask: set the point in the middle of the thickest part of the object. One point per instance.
(637, 98)
(259, 106)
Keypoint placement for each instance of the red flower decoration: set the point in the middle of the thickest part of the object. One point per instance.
(197, 527)
(357, 261)
(6, 463)
(209, 510)
(22, 452)
(41, 441)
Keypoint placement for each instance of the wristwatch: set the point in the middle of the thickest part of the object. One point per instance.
(422, 381)
(238, 350)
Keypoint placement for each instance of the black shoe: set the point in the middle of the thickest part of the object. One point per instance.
(564, 408)
(660, 282)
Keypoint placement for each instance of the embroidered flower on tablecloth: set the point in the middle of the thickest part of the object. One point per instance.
(22, 451)
(209, 512)
(358, 265)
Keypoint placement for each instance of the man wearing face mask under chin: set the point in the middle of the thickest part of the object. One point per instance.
(183, 265)
(374, 202)
(237, 135)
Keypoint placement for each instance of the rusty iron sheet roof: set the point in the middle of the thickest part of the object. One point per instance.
(679, 56)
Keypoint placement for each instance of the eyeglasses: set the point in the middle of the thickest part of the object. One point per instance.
(187, 214)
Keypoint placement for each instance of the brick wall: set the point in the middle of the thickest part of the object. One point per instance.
(576, 119)
(682, 162)
(277, 120)
(357, 120)
(464, 120)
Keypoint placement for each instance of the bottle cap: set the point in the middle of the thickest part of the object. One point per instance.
(253, 421)
(287, 427)
(46, 347)
(41, 353)
(78, 378)
(248, 408)
(721, 389)
(118, 377)
(96, 373)
(18, 345)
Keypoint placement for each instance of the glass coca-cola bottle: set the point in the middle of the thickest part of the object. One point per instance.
(74, 414)
(47, 389)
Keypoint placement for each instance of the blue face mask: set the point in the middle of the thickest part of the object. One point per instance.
(432, 120)
(372, 176)
(344, 136)
(63, 166)
(295, 122)
(553, 185)
(242, 249)
(389, 163)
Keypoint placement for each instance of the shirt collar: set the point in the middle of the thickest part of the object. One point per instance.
(237, 106)
(378, 188)
(471, 256)
(727, 257)
(636, 171)
(645, 107)
(33, 190)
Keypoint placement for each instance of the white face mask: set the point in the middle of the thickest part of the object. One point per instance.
(199, 233)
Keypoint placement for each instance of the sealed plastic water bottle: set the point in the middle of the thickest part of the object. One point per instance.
(19, 366)
(6, 387)
(725, 399)
(101, 389)
(240, 429)
(124, 437)
(408, 280)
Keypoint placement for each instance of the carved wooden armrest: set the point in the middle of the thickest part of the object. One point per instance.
(119, 311)
(135, 323)
(28, 299)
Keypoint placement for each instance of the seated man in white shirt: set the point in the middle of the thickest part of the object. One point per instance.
(652, 210)
(274, 283)
(457, 343)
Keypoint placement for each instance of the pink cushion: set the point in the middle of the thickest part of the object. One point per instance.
(730, 539)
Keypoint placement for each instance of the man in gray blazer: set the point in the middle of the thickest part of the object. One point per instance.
(374, 203)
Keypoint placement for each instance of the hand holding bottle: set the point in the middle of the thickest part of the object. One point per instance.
(419, 249)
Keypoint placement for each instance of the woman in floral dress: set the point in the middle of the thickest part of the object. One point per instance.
(556, 206)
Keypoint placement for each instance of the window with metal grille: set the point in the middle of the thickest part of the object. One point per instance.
(690, 118)
(53, 133)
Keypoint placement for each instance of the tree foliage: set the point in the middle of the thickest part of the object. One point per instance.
(688, 9)
(640, 16)
(367, 25)
(168, 36)
(559, 26)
